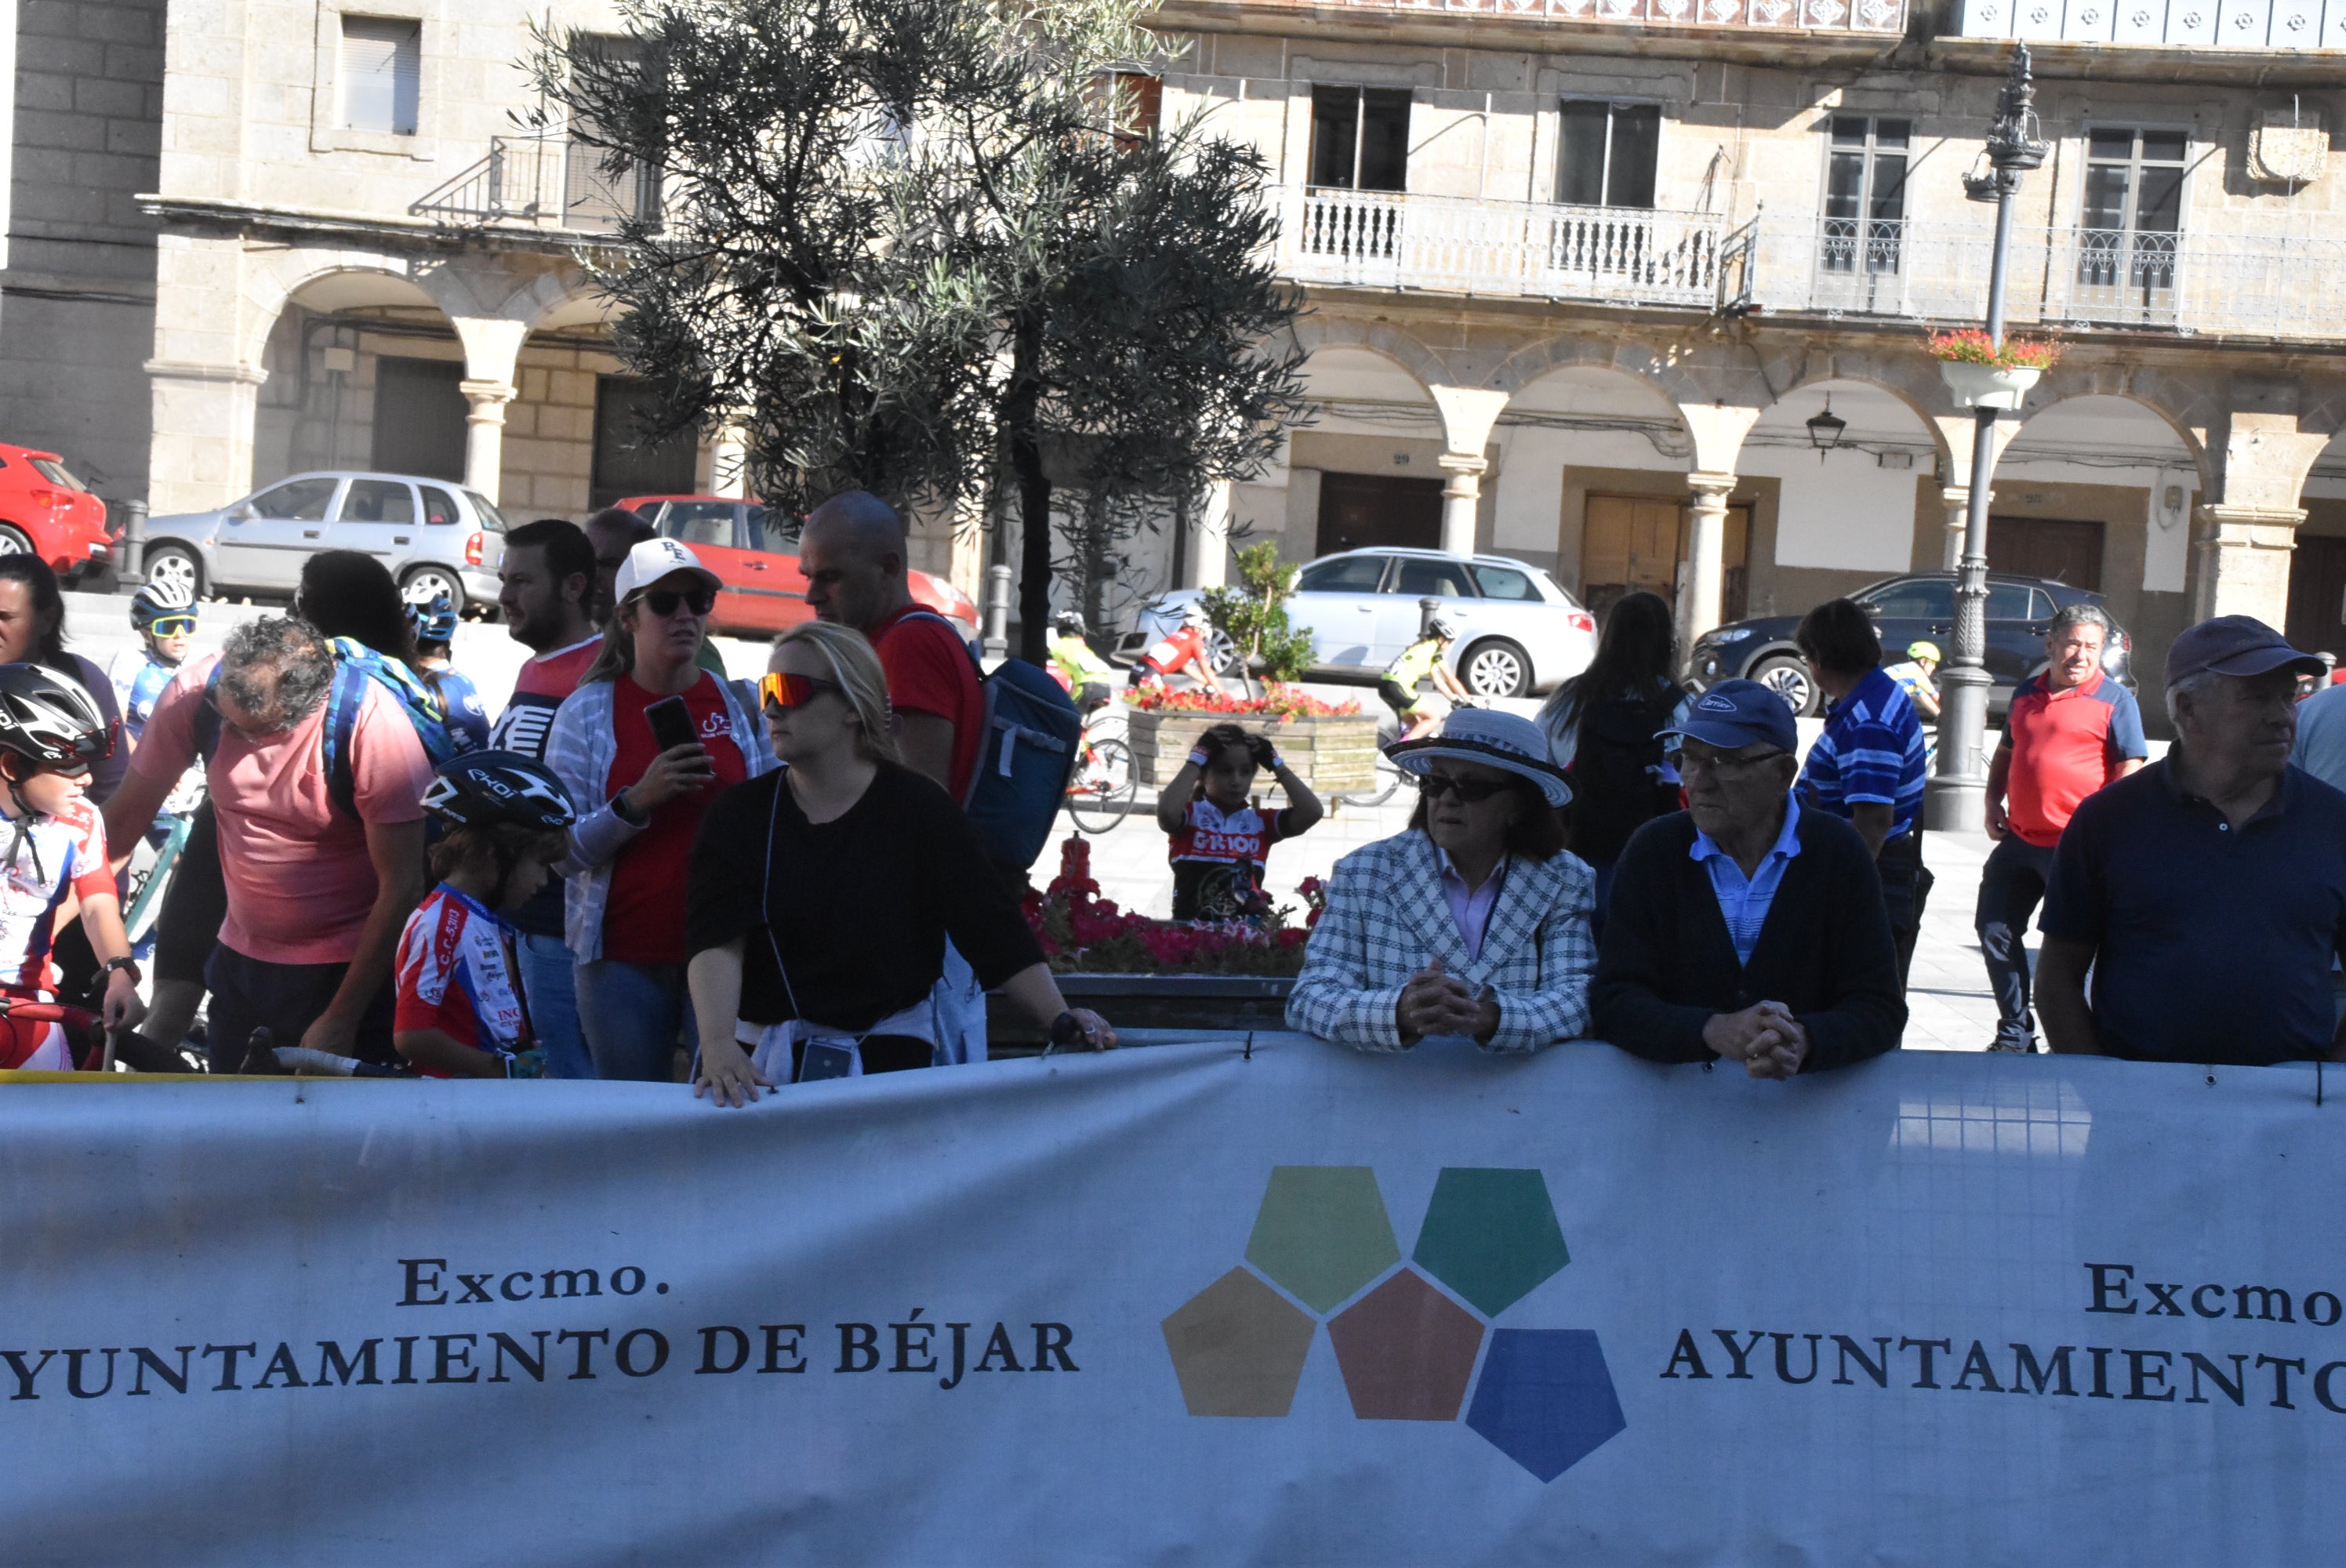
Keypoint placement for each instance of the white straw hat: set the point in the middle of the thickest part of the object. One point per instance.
(1494, 740)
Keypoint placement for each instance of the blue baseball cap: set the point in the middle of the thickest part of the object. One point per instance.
(1739, 713)
(2236, 645)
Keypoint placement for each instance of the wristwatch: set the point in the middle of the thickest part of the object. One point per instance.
(127, 965)
(1065, 1032)
(619, 809)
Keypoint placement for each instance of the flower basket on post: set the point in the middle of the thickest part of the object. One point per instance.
(1333, 749)
(1980, 373)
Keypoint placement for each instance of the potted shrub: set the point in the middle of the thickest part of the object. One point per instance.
(1980, 374)
(1332, 746)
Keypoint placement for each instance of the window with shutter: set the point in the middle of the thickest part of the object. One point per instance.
(381, 71)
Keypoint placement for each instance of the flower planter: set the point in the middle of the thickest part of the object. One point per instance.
(1151, 1001)
(1987, 386)
(1333, 755)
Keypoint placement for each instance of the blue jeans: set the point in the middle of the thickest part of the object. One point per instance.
(2011, 884)
(633, 1014)
(547, 981)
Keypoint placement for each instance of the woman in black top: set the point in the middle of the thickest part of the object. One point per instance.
(819, 896)
(1605, 731)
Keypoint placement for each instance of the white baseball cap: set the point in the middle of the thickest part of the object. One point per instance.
(653, 559)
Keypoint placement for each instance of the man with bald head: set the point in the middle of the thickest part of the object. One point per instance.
(853, 552)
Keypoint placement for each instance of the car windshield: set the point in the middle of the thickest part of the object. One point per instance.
(491, 519)
(56, 474)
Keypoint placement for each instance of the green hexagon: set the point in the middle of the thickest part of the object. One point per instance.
(1491, 1236)
(1322, 1232)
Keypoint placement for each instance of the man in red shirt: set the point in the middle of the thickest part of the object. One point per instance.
(546, 590)
(2070, 731)
(853, 554)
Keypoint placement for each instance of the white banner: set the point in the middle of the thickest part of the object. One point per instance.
(1198, 1303)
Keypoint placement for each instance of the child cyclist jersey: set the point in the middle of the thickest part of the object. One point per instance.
(456, 975)
(1218, 859)
(51, 856)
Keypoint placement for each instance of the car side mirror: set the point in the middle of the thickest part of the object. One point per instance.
(241, 512)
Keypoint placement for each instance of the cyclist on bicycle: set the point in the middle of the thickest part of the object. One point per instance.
(460, 1011)
(1185, 650)
(1423, 663)
(1084, 673)
(50, 737)
(434, 625)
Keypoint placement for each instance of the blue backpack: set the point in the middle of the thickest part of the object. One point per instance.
(1032, 735)
(357, 668)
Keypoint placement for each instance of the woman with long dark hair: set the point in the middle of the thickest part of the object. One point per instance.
(1605, 727)
(32, 631)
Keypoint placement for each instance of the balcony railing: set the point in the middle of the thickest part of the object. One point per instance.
(1393, 239)
(546, 181)
(2190, 282)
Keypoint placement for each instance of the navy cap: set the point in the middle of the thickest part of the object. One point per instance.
(2235, 644)
(1739, 713)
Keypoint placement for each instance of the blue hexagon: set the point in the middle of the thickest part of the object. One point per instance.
(1545, 1398)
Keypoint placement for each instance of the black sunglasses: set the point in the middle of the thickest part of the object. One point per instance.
(664, 601)
(1472, 791)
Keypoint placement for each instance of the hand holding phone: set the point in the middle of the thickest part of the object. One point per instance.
(682, 765)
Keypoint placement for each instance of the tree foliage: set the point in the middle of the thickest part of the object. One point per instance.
(1254, 614)
(901, 244)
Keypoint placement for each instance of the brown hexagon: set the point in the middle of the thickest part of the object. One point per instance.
(1239, 1348)
(1406, 1350)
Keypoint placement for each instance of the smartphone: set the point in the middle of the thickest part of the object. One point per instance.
(823, 1060)
(672, 723)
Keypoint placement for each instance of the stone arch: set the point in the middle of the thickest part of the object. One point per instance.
(1672, 380)
(2191, 410)
(1318, 331)
(274, 282)
(1911, 382)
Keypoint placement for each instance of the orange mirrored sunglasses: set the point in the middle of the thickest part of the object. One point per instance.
(778, 690)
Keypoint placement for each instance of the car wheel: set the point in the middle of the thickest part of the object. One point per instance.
(13, 541)
(1223, 653)
(1496, 668)
(1790, 679)
(425, 583)
(174, 566)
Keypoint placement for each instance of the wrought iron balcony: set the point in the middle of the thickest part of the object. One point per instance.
(1443, 244)
(544, 182)
(2262, 285)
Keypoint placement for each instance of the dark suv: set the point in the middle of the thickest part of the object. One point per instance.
(1917, 606)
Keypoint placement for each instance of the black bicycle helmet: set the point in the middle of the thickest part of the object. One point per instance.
(49, 721)
(498, 789)
(159, 601)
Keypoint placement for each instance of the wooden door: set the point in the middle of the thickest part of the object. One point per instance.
(1359, 511)
(2066, 551)
(1630, 542)
(2317, 595)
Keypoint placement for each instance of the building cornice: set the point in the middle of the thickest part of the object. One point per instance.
(393, 233)
(1495, 27)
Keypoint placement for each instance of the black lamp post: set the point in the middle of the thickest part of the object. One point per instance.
(1956, 793)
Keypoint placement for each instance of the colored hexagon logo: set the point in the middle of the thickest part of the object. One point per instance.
(1322, 1232)
(1239, 1348)
(1545, 1398)
(1491, 1236)
(1406, 1351)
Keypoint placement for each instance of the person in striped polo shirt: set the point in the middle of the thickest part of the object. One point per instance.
(1868, 766)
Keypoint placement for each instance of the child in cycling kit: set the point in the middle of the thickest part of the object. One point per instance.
(1084, 673)
(1423, 662)
(434, 625)
(460, 1011)
(1220, 841)
(50, 737)
(1184, 649)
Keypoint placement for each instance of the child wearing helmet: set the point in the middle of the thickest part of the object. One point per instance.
(1422, 664)
(1184, 649)
(1084, 673)
(164, 615)
(1917, 674)
(434, 628)
(460, 1011)
(50, 737)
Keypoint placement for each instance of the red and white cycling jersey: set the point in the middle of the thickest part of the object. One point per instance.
(59, 854)
(1218, 859)
(1178, 652)
(456, 975)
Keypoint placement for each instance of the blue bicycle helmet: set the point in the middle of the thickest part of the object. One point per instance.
(433, 624)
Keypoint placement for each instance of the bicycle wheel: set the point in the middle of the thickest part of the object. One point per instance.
(1389, 775)
(1100, 795)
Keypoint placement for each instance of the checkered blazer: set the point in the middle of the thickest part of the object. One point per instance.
(1387, 919)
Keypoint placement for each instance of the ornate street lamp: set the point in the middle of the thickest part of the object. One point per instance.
(1825, 429)
(1957, 791)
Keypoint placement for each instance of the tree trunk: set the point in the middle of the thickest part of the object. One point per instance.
(1033, 492)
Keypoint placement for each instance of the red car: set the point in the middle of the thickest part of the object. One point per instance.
(764, 590)
(44, 511)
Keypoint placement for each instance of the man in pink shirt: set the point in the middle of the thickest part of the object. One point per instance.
(316, 896)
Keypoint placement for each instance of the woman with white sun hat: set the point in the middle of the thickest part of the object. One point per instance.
(1473, 922)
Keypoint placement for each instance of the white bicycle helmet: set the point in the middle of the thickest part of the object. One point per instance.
(157, 601)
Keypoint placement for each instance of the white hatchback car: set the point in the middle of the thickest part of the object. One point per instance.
(434, 536)
(1518, 630)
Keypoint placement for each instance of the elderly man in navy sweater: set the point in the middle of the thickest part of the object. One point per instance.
(1745, 928)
